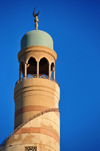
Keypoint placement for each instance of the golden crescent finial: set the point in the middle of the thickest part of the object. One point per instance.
(34, 12)
(36, 18)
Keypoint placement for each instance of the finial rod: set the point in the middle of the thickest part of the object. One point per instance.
(36, 18)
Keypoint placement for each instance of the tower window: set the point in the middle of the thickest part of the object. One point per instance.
(52, 66)
(52, 70)
(30, 148)
(44, 66)
(32, 66)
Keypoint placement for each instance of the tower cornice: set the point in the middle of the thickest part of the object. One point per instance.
(38, 49)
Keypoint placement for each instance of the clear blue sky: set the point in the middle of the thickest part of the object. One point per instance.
(75, 28)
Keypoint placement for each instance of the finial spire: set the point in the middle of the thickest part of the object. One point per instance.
(36, 18)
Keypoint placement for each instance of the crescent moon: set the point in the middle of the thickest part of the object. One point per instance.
(36, 14)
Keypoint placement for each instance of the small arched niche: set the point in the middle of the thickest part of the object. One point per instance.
(22, 69)
(44, 66)
(32, 66)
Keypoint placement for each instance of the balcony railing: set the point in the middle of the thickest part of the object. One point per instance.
(43, 76)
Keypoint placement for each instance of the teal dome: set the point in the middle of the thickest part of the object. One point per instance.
(36, 38)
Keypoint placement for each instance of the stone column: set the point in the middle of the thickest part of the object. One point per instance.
(49, 71)
(37, 69)
(25, 71)
(53, 73)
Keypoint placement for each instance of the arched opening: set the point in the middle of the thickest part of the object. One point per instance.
(44, 66)
(52, 66)
(52, 70)
(22, 70)
(32, 66)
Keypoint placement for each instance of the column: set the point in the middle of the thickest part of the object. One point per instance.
(53, 73)
(37, 69)
(25, 71)
(49, 71)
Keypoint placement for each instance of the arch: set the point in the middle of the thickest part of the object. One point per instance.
(44, 66)
(30, 56)
(53, 70)
(52, 66)
(22, 60)
(32, 66)
(22, 69)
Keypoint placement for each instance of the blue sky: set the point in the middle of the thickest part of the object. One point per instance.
(75, 28)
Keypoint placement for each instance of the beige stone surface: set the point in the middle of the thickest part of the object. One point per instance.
(47, 139)
(37, 93)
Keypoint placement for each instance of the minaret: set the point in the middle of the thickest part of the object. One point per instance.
(36, 95)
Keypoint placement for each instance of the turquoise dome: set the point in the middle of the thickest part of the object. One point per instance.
(36, 38)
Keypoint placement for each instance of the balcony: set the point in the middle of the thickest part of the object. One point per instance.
(30, 76)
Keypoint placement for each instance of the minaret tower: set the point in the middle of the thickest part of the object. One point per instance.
(36, 95)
